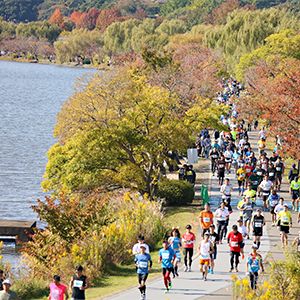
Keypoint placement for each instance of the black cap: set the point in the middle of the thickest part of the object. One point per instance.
(234, 227)
(212, 225)
(141, 237)
(188, 227)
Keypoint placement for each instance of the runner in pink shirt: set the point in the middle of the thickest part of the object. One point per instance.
(57, 290)
(188, 240)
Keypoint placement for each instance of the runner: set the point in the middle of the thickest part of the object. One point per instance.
(264, 162)
(293, 173)
(239, 207)
(143, 264)
(175, 242)
(272, 202)
(254, 179)
(222, 215)
(294, 191)
(253, 265)
(7, 293)
(235, 158)
(57, 290)
(243, 230)
(188, 240)
(166, 258)
(221, 169)
(261, 146)
(214, 238)
(78, 284)
(250, 192)
(271, 171)
(297, 242)
(249, 170)
(226, 190)
(247, 208)
(205, 248)
(234, 240)
(260, 173)
(228, 159)
(278, 209)
(241, 173)
(257, 223)
(273, 158)
(285, 218)
(214, 154)
(206, 219)
(262, 133)
(136, 248)
(264, 190)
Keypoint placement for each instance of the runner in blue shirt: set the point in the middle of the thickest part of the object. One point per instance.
(143, 263)
(253, 265)
(166, 258)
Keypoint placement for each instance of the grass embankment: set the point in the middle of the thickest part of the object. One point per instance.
(122, 277)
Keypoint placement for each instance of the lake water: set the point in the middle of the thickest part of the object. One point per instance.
(30, 98)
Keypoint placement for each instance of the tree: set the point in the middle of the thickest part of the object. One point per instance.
(275, 93)
(219, 13)
(58, 19)
(107, 17)
(284, 44)
(75, 17)
(89, 19)
(140, 15)
(117, 133)
(171, 27)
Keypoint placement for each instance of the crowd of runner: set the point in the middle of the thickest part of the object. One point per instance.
(255, 176)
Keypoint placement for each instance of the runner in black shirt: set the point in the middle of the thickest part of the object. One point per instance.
(78, 284)
(214, 238)
(221, 169)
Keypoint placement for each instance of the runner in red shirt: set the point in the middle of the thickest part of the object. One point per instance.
(188, 240)
(249, 170)
(234, 240)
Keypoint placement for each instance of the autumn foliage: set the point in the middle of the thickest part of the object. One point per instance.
(58, 19)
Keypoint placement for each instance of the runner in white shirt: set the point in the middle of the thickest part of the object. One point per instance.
(136, 248)
(264, 189)
(278, 208)
(243, 230)
(228, 159)
(205, 248)
(262, 133)
(222, 215)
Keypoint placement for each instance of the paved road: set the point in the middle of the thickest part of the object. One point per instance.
(189, 285)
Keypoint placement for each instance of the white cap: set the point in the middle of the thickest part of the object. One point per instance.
(247, 197)
(255, 246)
(6, 281)
(143, 245)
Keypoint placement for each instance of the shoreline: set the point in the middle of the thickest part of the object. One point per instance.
(46, 62)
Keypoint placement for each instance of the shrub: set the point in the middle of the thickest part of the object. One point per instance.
(14, 55)
(86, 61)
(176, 192)
(30, 57)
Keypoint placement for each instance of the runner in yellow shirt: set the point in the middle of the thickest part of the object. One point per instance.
(261, 146)
(285, 218)
(241, 173)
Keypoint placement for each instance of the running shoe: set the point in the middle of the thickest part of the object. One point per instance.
(185, 269)
(211, 271)
(170, 284)
(286, 243)
(243, 256)
(166, 291)
(220, 242)
(273, 224)
(190, 269)
(236, 269)
(219, 182)
(205, 279)
(176, 274)
(230, 270)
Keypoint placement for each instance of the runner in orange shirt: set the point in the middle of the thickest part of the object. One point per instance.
(206, 219)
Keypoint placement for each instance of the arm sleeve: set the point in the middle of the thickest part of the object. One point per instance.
(150, 263)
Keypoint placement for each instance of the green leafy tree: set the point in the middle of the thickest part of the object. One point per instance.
(6, 28)
(171, 27)
(117, 133)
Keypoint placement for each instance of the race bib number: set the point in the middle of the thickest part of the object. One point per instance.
(249, 207)
(266, 193)
(234, 244)
(255, 182)
(143, 264)
(165, 255)
(259, 173)
(205, 256)
(206, 220)
(77, 283)
(285, 219)
(278, 168)
(242, 175)
(271, 174)
(215, 156)
(257, 224)
(221, 166)
(296, 186)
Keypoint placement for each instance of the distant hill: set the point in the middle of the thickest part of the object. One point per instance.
(32, 10)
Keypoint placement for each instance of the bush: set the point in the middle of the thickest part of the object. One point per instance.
(86, 61)
(14, 55)
(176, 192)
(30, 57)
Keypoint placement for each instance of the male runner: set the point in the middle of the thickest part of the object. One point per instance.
(285, 218)
(241, 173)
(243, 230)
(206, 219)
(254, 263)
(257, 223)
(234, 239)
(272, 202)
(247, 208)
(143, 264)
(214, 238)
(264, 189)
(205, 248)
(166, 258)
(222, 215)
(294, 191)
